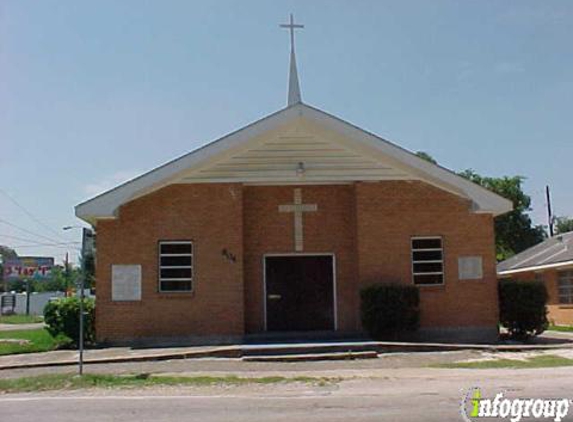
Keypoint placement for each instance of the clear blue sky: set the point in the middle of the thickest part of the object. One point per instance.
(93, 93)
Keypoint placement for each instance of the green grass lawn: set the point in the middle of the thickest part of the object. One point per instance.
(74, 382)
(562, 328)
(543, 361)
(40, 341)
(20, 319)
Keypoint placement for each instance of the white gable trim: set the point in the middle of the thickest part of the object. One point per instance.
(485, 200)
(562, 264)
(107, 204)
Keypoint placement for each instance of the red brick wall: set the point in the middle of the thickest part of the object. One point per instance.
(211, 216)
(560, 314)
(390, 213)
(331, 229)
(367, 226)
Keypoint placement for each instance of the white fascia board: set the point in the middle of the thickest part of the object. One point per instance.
(562, 264)
(106, 204)
(485, 200)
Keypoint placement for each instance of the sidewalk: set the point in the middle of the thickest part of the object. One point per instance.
(111, 355)
(557, 335)
(127, 354)
(21, 327)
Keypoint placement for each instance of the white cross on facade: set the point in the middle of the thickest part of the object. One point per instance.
(298, 208)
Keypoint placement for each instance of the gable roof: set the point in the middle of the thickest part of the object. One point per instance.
(406, 165)
(554, 252)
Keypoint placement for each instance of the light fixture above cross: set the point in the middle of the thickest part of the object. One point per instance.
(298, 208)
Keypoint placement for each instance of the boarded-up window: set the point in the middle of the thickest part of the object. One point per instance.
(175, 266)
(470, 268)
(427, 260)
(125, 282)
(565, 283)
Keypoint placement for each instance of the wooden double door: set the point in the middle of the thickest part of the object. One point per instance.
(300, 293)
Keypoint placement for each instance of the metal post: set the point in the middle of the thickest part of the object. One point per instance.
(4, 279)
(82, 297)
(27, 296)
(67, 274)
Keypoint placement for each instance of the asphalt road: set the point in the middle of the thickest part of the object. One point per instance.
(412, 394)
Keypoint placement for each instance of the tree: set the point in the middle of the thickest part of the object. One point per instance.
(6, 253)
(514, 231)
(88, 264)
(57, 282)
(425, 156)
(563, 225)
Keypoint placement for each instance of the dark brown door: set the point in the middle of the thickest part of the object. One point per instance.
(300, 294)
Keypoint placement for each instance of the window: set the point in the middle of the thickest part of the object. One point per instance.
(175, 266)
(427, 260)
(565, 283)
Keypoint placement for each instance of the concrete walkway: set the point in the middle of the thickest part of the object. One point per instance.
(110, 355)
(127, 354)
(21, 327)
(557, 335)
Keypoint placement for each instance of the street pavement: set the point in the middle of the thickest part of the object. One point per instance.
(410, 394)
(394, 387)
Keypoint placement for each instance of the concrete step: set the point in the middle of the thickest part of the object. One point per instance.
(305, 357)
(306, 348)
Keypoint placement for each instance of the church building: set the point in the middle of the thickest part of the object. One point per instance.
(275, 228)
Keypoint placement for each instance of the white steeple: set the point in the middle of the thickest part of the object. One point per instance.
(293, 85)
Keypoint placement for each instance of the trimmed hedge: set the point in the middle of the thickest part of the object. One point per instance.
(522, 308)
(62, 318)
(389, 309)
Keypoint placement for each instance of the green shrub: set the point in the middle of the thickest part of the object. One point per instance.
(62, 318)
(389, 309)
(522, 308)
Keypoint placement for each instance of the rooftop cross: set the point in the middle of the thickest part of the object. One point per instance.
(293, 85)
(291, 26)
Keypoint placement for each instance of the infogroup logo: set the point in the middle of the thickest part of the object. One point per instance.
(475, 407)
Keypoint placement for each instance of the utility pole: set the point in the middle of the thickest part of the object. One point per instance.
(550, 218)
(67, 273)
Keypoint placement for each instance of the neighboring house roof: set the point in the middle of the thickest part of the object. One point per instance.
(325, 148)
(554, 252)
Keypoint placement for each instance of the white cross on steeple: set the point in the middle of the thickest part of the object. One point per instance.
(293, 85)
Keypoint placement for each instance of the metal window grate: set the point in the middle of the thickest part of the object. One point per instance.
(175, 266)
(427, 260)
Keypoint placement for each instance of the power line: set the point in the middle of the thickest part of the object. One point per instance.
(32, 240)
(29, 214)
(51, 245)
(28, 231)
